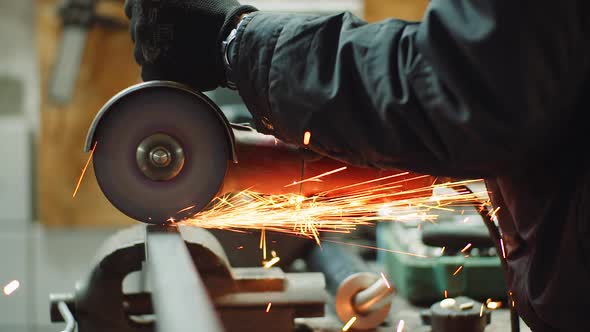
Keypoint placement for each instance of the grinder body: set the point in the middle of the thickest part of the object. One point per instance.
(164, 152)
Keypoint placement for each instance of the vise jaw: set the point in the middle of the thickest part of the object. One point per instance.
(234, 298)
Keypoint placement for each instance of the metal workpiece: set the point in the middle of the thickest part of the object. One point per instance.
(358, 293)
(180, 298)
(191, 286)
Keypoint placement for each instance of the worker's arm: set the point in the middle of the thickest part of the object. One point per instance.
(479, 88)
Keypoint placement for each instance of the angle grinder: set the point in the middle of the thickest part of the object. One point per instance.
(164, 151)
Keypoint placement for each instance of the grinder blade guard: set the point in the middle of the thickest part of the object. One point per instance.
(160, 147)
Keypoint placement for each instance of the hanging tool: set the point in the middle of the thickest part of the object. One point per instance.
(78, 17)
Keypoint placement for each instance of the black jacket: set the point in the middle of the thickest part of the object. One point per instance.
(493, 89)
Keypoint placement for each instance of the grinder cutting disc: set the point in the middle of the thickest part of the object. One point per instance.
(160, 149)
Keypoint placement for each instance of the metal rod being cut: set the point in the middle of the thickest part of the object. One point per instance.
(179, 297)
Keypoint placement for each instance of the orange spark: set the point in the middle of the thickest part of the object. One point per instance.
(306, 137)
(349, 324)
(502, 247)
(442, 250)
(458, 270)
(263, 242)
(11, 287)
(268, 306)
(385, 279)
(494, 212)
(466, 247)
(84, 170)
(271, 262)
(400, 326)
(313, 178)
(481, 310)
(186, 209)
(240, 247)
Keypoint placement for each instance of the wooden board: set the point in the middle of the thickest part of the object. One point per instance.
(107, 68)
(411, 10)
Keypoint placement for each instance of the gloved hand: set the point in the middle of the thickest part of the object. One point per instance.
(180, 40)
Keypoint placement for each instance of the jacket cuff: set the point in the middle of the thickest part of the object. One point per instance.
(251, 61)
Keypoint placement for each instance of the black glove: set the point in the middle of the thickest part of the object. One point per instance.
(180, 40)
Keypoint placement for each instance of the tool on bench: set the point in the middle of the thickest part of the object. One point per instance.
(358, 292)
(162, 147)
(460, 314)
(192, 287)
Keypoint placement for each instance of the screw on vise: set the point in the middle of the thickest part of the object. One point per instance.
(364, 295)
(373, 297)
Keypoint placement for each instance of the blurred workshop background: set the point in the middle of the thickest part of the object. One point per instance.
(52, 83)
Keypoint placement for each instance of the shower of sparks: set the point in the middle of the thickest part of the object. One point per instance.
(270, 263)
(502, 247)
(340, 210)
(347, 326)
(458, 270)
(11, 287)
(306, 137)
(466, 247)
(385, 280)
(84, 170)
(268, 306)
(400, 326)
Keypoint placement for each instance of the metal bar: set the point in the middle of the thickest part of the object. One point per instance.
(179, 297)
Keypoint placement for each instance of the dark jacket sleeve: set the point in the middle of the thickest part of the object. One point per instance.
(478, 88)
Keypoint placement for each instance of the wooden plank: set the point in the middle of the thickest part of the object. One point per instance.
(107, 67)
(411, 10)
